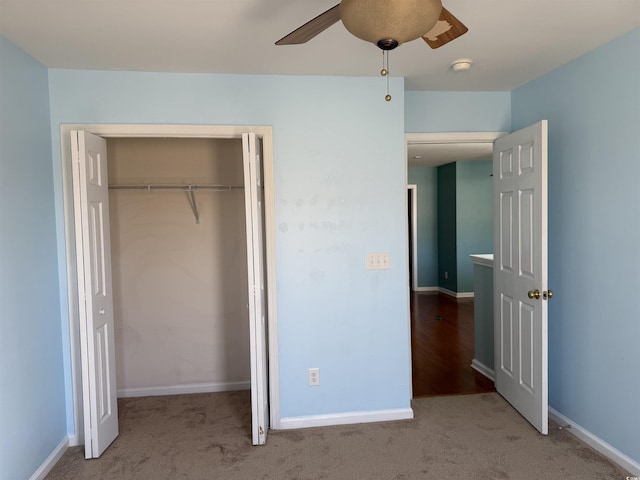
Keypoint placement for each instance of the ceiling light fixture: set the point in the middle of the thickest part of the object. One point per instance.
(461, 65)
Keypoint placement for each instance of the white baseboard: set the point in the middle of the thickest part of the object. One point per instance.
(425, 289)
(183, 389)
(74, 441)
(456, 294)
(51, 460)
(480, 367)
(465, 294)
(597, 443)
(445, 291)
(346, 418)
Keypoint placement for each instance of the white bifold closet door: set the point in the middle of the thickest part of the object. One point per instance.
(95, 294)
(254, 192)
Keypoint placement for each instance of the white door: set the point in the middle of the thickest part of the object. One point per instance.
(91, 206)
(520, 271)
(255, 261)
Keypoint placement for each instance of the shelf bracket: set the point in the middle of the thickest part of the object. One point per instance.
(192, 201)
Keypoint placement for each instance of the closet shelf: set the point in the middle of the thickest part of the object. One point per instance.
(190, 189)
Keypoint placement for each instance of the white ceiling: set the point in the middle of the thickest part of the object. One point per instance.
(436, 154)
(510, 41)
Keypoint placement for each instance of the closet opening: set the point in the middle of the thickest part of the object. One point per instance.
(183, 255)
(179, 265)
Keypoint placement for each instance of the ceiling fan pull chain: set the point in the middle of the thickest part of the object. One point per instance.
(387, 96)
(385, 71)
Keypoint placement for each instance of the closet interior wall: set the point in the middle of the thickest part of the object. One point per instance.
(180, 287)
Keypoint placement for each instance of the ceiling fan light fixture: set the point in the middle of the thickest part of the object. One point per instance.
(385, 21)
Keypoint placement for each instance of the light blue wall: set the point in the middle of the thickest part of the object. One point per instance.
(340, 192)
(425, 179)
(474, 216)
(593, 108)
(32, 396)
(457, 112)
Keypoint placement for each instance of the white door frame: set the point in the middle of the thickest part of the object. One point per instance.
(159, 131)
(446, 138)
(453, 137)
(414, 234)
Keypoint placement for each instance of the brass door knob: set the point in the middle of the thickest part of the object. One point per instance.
(534, 294)
(547, 294)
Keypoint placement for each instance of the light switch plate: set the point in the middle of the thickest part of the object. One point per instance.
(378, 261)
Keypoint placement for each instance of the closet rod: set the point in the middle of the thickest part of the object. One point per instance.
(190, 189)
(176, 187)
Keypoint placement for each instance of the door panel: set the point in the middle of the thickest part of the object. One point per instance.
(504, 254)
(520, 267)
(506, 332)
(91, 205)
(527, 349)
(527, 198)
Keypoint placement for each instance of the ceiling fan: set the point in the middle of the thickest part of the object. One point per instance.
(386, 23)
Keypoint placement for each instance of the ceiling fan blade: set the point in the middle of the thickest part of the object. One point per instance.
(446, 29)
(312, 28)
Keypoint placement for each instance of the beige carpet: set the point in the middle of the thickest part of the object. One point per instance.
(207, 436)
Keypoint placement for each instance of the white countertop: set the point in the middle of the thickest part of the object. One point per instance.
(485, 259)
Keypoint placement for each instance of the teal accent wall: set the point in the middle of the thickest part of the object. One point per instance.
(447, 227)
(426, 181)
(474, 216)
(32, 396)
(593, 108)
(340, 192)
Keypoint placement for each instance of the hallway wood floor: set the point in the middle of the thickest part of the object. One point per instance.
(442, 346)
